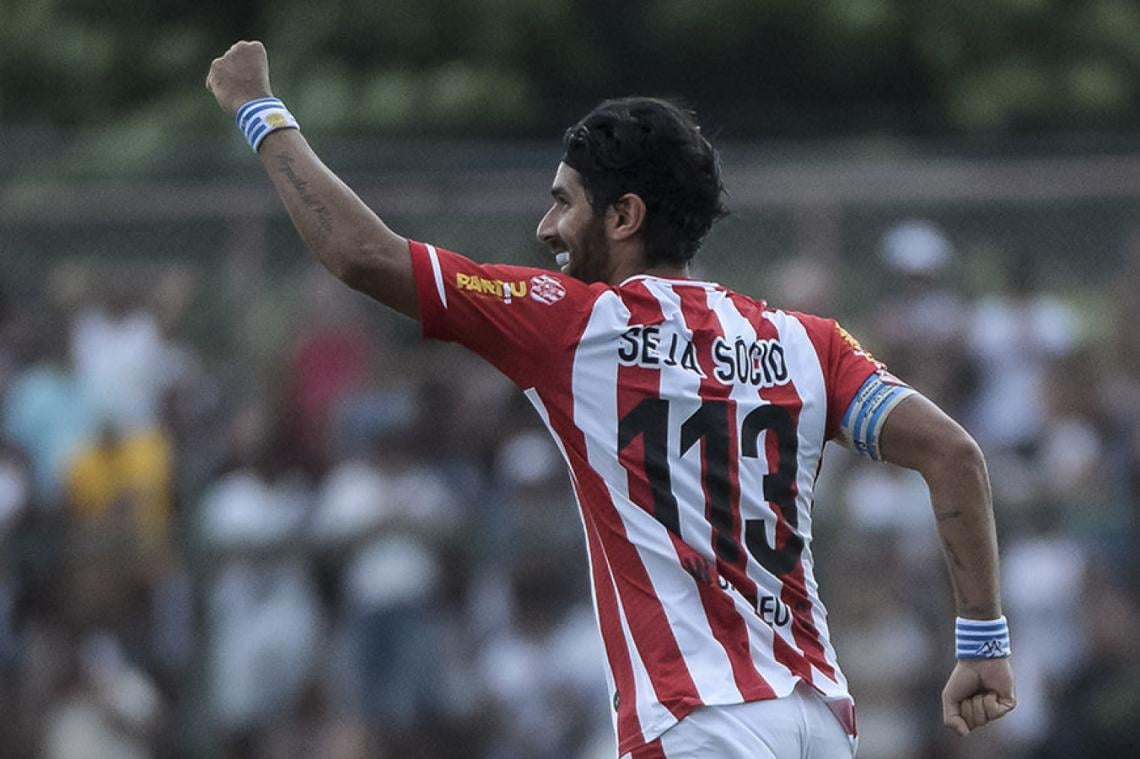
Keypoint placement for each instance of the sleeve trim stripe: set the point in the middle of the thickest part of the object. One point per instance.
(877, 396)
(879, 415)
(866, 414)
(875, 427)
(435, 270)
(858, 394)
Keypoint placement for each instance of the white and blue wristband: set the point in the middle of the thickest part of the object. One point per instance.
(982, 638)
(259, 118)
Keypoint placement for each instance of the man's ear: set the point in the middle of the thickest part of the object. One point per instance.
(626, 217)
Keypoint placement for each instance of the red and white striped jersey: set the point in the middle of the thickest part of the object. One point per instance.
(693, 420)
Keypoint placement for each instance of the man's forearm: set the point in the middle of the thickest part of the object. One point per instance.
(960, 493)
(918, 435)
(342, 232)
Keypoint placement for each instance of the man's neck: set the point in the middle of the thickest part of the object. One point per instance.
(668, 271)
(672, 271)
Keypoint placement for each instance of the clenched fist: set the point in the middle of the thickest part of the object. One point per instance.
(978, 692)
(239, 76)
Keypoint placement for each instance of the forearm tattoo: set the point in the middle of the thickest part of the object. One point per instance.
(323, 216)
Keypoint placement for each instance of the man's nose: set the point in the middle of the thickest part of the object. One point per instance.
(545, 232)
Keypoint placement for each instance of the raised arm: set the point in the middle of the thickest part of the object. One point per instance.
(918, 435)
(344, 234)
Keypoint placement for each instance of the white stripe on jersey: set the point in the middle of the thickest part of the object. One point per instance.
(594, 390)
(611, 684)
(753, 506)
(804, 366)
(654, 717)
(435, 270)
(708, 663)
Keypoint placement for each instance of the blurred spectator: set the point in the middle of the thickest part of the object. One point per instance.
(121, 359)
(332, 358)
(124, 476)
(541, 515)
(15, 489)
(1097, 711)
(1119, 399)
(921, 322)
(264, 622)
(385, 519)
(108, 709)
(48, 412)
(15, 494)
(803, 284)
(893, 504)
(1044, 573)
(13, 328)
(541, 671)
(886, 647)
(1015, 337)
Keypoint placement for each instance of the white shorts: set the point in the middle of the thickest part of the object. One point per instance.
(799, 726)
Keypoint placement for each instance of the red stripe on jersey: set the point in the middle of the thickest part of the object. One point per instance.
(652, 750)
(591, 490)
(793, 591)
(721, 489)
(804, 631)
(638, 390)
(609, 622)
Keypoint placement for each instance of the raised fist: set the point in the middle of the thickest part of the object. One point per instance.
(239, 76)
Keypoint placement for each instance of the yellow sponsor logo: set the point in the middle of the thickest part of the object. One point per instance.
(494, 287)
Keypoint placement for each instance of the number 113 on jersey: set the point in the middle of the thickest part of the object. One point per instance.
(711, 427)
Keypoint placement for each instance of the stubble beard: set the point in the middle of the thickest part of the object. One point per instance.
(591, 263)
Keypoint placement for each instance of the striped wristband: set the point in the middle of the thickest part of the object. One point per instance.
(982, 638)
(257, 118)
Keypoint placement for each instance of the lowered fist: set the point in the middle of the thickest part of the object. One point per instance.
(978, 692)
(239, 76)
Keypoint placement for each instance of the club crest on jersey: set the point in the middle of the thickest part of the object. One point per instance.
(498, 288)
(546, 289)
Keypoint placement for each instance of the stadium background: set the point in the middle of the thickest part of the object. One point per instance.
(244, 512)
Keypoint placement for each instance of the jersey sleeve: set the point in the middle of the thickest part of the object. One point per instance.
(861, 393)
(516, 317)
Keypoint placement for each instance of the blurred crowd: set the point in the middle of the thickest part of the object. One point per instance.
(328, 538)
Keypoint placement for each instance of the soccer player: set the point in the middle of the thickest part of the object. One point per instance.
(692, 419)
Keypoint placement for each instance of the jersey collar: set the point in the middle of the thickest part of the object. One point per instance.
(671, 280)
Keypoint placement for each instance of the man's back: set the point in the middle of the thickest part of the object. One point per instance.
(693, 420)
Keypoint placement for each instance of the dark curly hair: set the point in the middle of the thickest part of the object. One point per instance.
(653, 149)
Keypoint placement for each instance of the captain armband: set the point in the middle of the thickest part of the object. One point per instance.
(981, 638)
(258, 118)
(863, 421)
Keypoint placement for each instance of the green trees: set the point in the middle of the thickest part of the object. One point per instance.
(524, 68)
